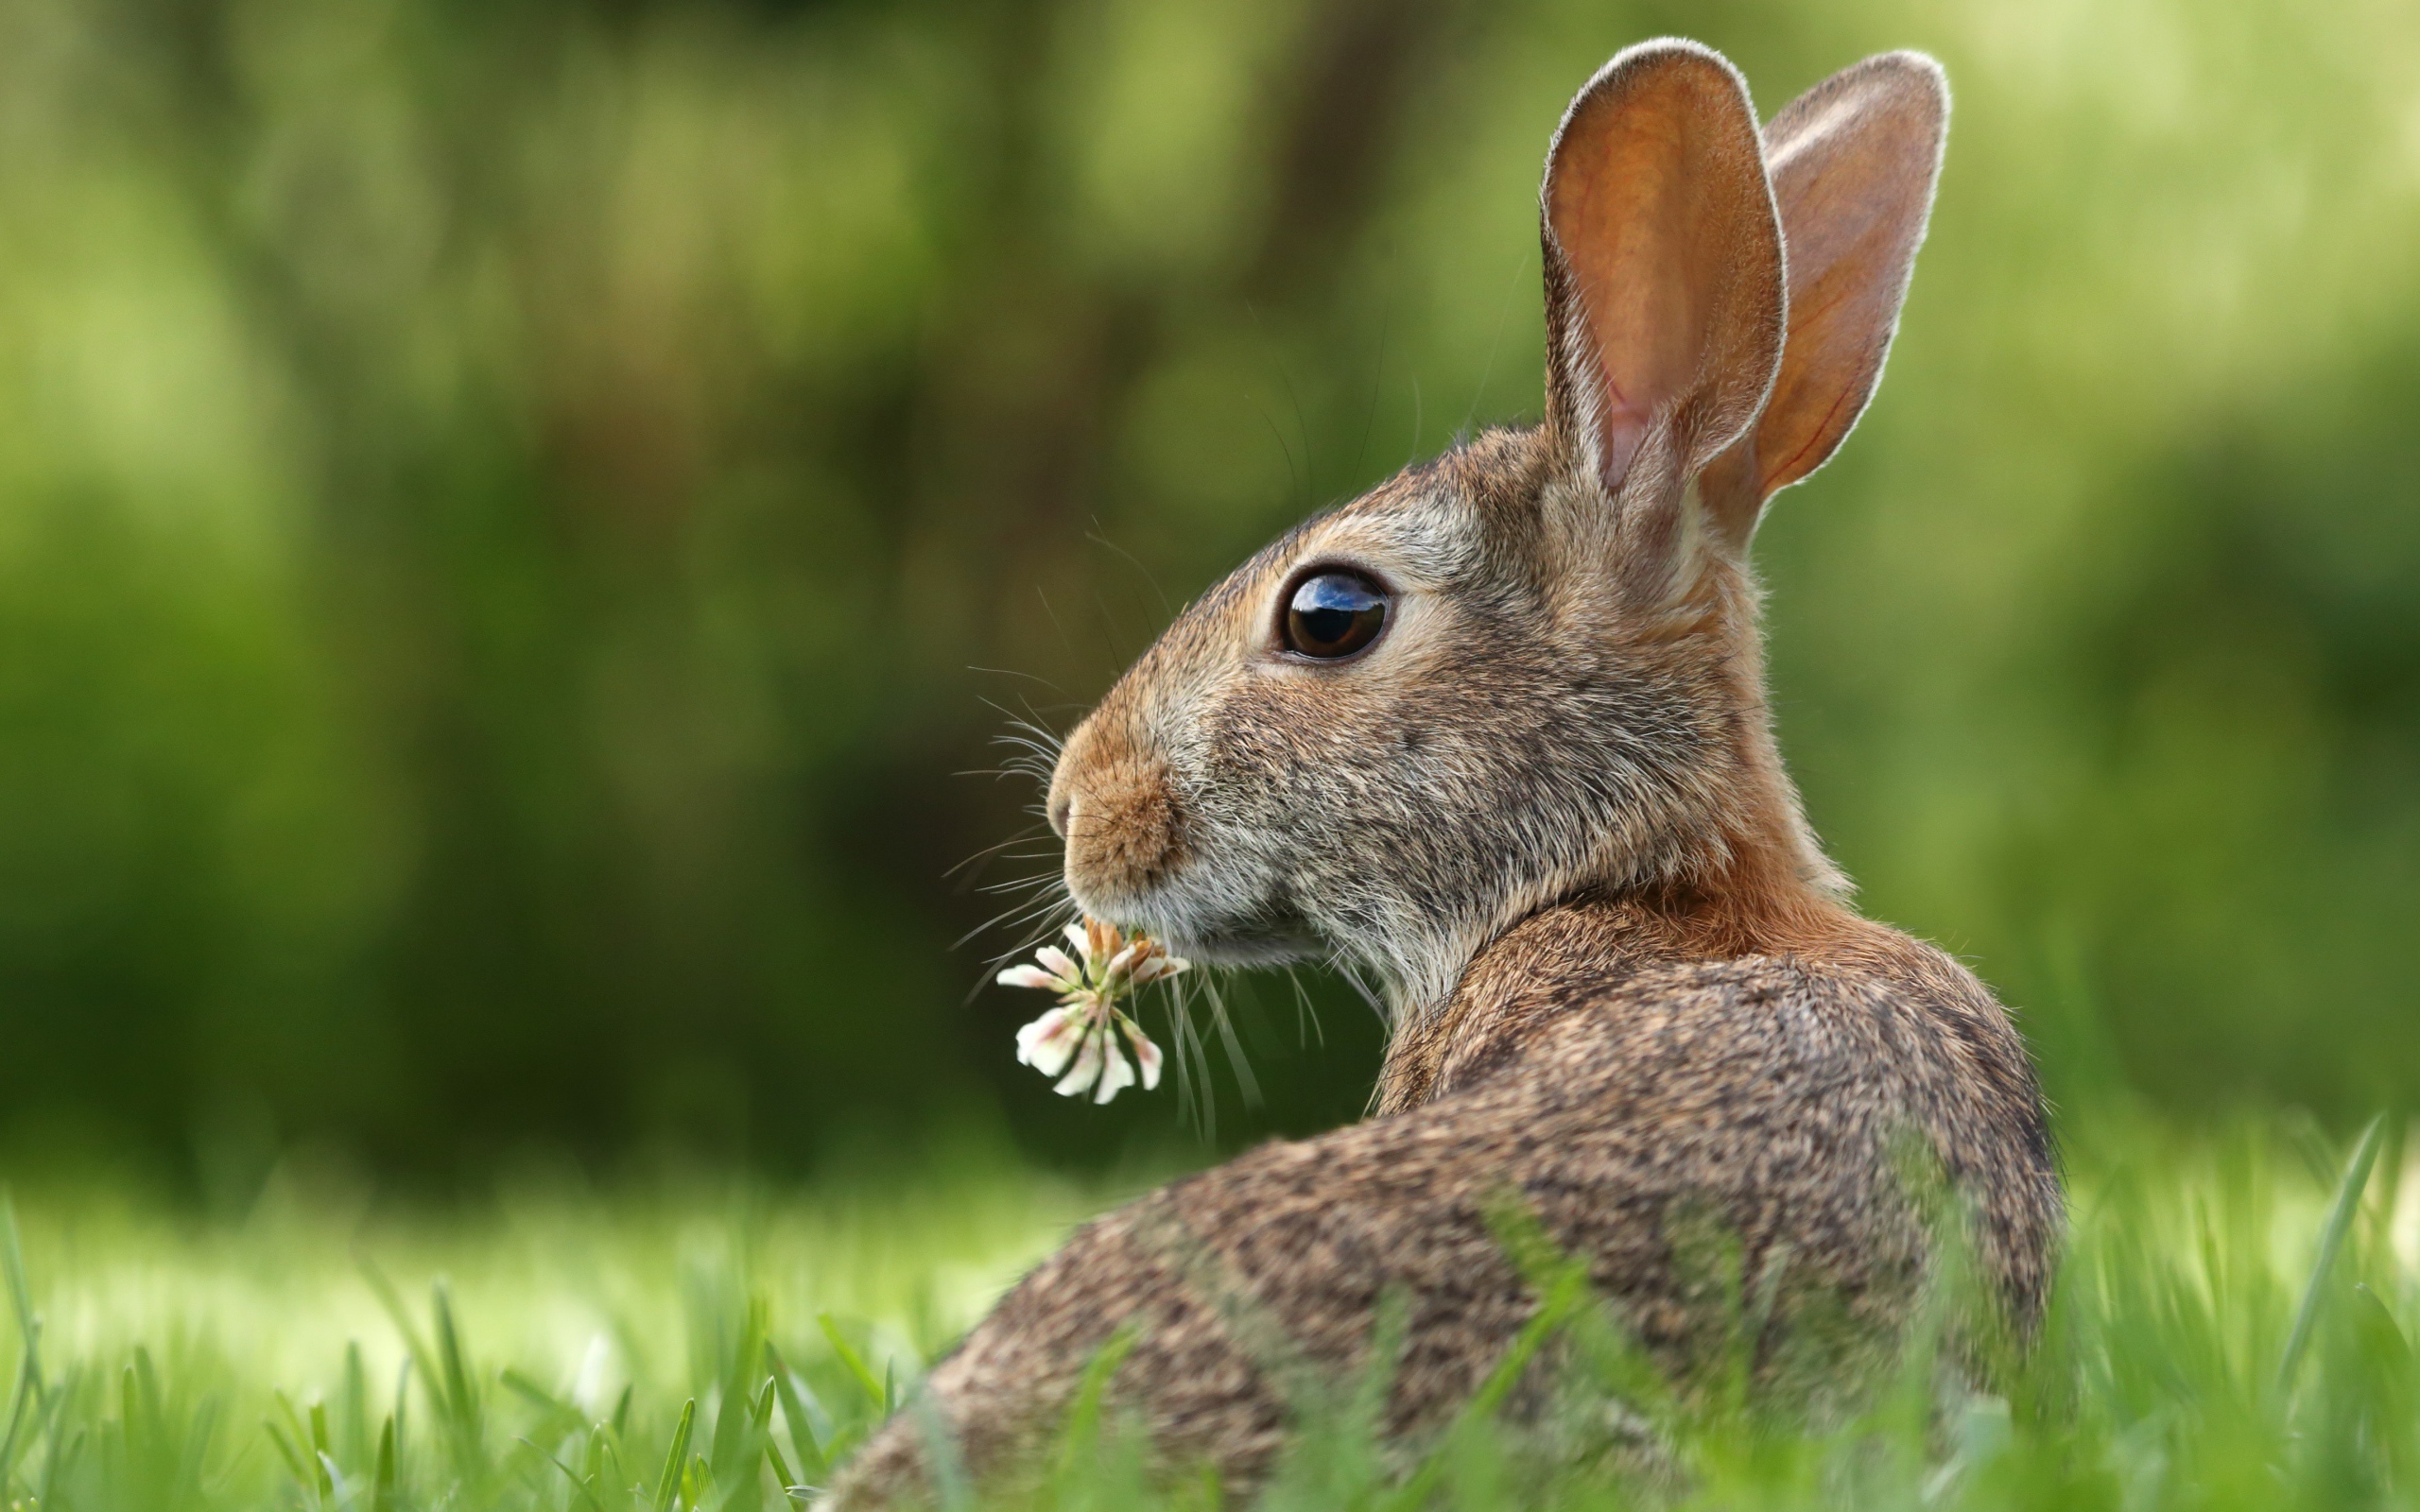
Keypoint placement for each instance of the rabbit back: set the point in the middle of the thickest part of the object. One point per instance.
(1637, 1107)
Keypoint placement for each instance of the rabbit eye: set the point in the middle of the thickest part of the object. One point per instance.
(1333, 614)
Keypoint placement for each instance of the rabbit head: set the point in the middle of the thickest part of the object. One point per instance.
(1529, 669)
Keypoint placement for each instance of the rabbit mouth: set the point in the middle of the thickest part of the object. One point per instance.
(1255, 945)
(1214, 925)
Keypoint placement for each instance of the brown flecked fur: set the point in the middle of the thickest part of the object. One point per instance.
(1128, 830)
(1547, 811)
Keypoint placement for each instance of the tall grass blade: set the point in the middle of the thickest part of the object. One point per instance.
(804, 1436)
(382, 1496)
(763, 1418)
(461, 1393)
(2331, 1240)
(286, 1451)
(322, 1454)
(1082, 1429)
(1561, 1299)
(354, 1424)
(28, 1391)
(416, 1352)
(12, 1256)
(668, 1485)
(952, 1489)
(855, 1362)
(584, 1490)
(24, 1399)
(62, 1463)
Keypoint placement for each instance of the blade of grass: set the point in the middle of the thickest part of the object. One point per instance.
(197, 1449)
(286, 1452)
(382, 1496)
(587, 1492)
(803, 1436)
(13, 1255)
(727, 1448)
(953, 1491)
(2331, 1240)
(400, 1420)
(1082, 1429)
(763, 1416)
(28, 1393)
(461, 1393)
(321, 1456)
(532, 1393)
(416, 1352)
(355, 1419)
(60, 1464)
(1561, 1299)
(667, 1485)
(855, 1363)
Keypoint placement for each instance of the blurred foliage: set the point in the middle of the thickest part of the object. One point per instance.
(511, 518)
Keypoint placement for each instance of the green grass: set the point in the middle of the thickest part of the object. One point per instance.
(2233, 1328)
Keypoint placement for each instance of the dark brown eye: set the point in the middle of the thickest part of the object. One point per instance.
(1333, 614)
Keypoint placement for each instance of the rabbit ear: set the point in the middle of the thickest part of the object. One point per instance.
(1854, 162)
(1663, 283)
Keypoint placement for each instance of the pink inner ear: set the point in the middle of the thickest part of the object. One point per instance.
(1637, 264)
(1619, 429)
(1657, 205)
(1854, 163)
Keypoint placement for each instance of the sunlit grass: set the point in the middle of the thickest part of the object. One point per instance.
(2232, 1329)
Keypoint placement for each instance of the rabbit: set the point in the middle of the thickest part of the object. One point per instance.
(1497, 732)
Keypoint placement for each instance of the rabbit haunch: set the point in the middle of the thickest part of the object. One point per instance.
(1545, 805)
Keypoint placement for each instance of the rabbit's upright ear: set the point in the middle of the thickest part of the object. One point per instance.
(1854, 162)
(1664, 287)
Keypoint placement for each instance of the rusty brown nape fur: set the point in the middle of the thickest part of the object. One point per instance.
(1757, 906)
(1548, 808)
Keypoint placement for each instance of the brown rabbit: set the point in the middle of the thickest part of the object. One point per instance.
(1496, 731)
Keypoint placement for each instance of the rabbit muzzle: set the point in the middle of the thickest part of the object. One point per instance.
(1134, 853)
(1116, 808)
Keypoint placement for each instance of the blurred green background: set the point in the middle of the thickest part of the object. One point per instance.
(515, 517)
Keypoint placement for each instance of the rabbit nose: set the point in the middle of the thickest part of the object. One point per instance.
(1061, 804)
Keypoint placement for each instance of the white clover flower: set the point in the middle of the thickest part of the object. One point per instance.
(1084, 1028)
